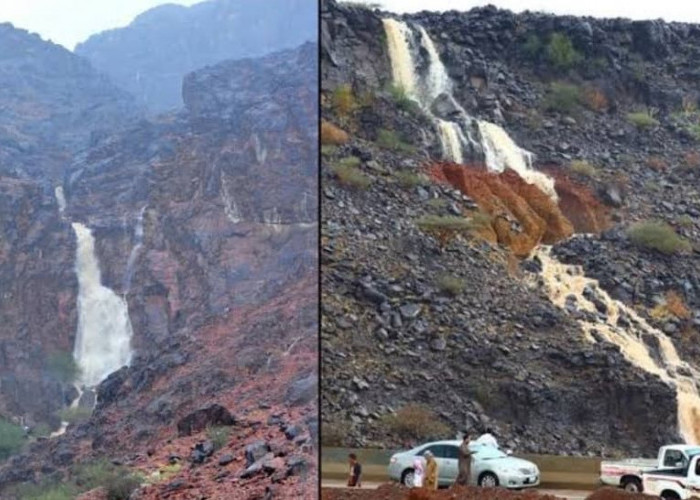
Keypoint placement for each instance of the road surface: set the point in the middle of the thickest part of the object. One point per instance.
(566, 494)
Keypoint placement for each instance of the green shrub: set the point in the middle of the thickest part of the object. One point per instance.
(407, 178)
(642, 119)
(349, 175)
(41, 429)
(12, 438)
(74, 415)
(584, 168)
(438, 203)
(562, 97)
(328, 149)
(218, 434)
(47, 491)
(685, 221)
(561, 52)
(444, 222)
(450, 285)
(118, 480)
(532, 46)
(401, 99)
(415, 421)
(63, 366)
(694, 130)
(343, 100)
(658, 236)
(389, 139)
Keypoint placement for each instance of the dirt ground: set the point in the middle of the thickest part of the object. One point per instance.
(396, 492)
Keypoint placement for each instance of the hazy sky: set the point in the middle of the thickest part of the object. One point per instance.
(68, 22)
(671, 10)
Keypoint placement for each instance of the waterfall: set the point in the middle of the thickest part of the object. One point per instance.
(606, 319)
(138, 238)
(102, 343)
(499, 149)
(60, 199)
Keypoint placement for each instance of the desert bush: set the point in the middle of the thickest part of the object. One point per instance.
(349, 175)
(119, 481)
(658, 236)
(438, 203)
(694, 130)
(595, 99)
(74, 415)
(451, 285)
(401, 99)
(691, 159)
(328, 149)
(582, 167)
(343, 100)
(41, 429)
(219, 435)
(12, 438)
(415, 421)
(444, 222)
(533, 46)
(561, 52)
(672, 306)
(63, 366)
(408, 178)
(562, 97)
(332, 135)
(685, 221)
(657, 163)
(642, 119)
(47, 491)
(389, 139)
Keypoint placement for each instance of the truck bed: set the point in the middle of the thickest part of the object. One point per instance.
(642, 463)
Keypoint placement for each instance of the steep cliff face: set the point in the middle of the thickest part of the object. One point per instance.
(458, 324)
(205, 222)
(152, 55)
(53, 103)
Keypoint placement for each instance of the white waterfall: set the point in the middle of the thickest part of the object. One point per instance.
(499, 149)
(60, 199)
(567, 287)
(102, 344)
(138, 238)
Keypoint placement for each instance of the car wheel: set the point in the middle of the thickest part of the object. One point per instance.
(488, 480)
(670, 495)
(407, 478)
(633, 485)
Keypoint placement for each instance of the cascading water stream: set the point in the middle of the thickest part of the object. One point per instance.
(138, 239)
(604, 319)
(60, 199)
(102, 343)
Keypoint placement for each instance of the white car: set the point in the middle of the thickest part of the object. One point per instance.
(490, 466)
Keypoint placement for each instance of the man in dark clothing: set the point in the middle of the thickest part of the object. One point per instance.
(465, 462)
(355, 472)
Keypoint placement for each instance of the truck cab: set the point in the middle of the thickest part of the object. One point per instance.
(675, 484)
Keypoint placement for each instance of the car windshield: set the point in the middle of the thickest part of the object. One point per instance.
(691, 452)
(486, 452)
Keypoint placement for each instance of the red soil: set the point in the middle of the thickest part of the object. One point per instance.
(507, 196)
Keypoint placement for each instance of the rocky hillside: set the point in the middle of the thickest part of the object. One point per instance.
(465, 326)
(150, 56)
(222, 291)
(53, 104)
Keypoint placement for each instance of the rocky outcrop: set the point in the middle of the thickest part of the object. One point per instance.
(53, 104)
(150, 57)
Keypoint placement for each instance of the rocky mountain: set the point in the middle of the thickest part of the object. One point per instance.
(150, 56)
(442, 300)
(204, 223)
(53, 104)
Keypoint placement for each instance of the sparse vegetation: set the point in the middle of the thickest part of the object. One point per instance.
(658, 236)
(562, 97)
(451, 285)
(401, 99)
(691, 159)
(657, 163)
(672, 306)
(415, 421)
(533, 46)
(561, 52)
(328, 149)
(219, 435)
(642, 119)
(63, 366)
(41, 430)
(694, 130)
(170, 470)
(444, 222)
(74, 415)
(595, 99)
(685, 221)
(343, 100)
(389, 139)
(438, 203)
(117, 480)
(332, 135)
(12, 438)
(348, 173)
(408, 178)
(582, 167)
(47, 491)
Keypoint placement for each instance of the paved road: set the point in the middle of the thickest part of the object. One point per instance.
(566, 494)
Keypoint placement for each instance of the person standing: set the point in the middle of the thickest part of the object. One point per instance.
(465, 462)
(418, 472)
(354, 480)
(431, 471)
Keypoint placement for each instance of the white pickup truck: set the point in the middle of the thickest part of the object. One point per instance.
(675, 484)
(628, 473)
